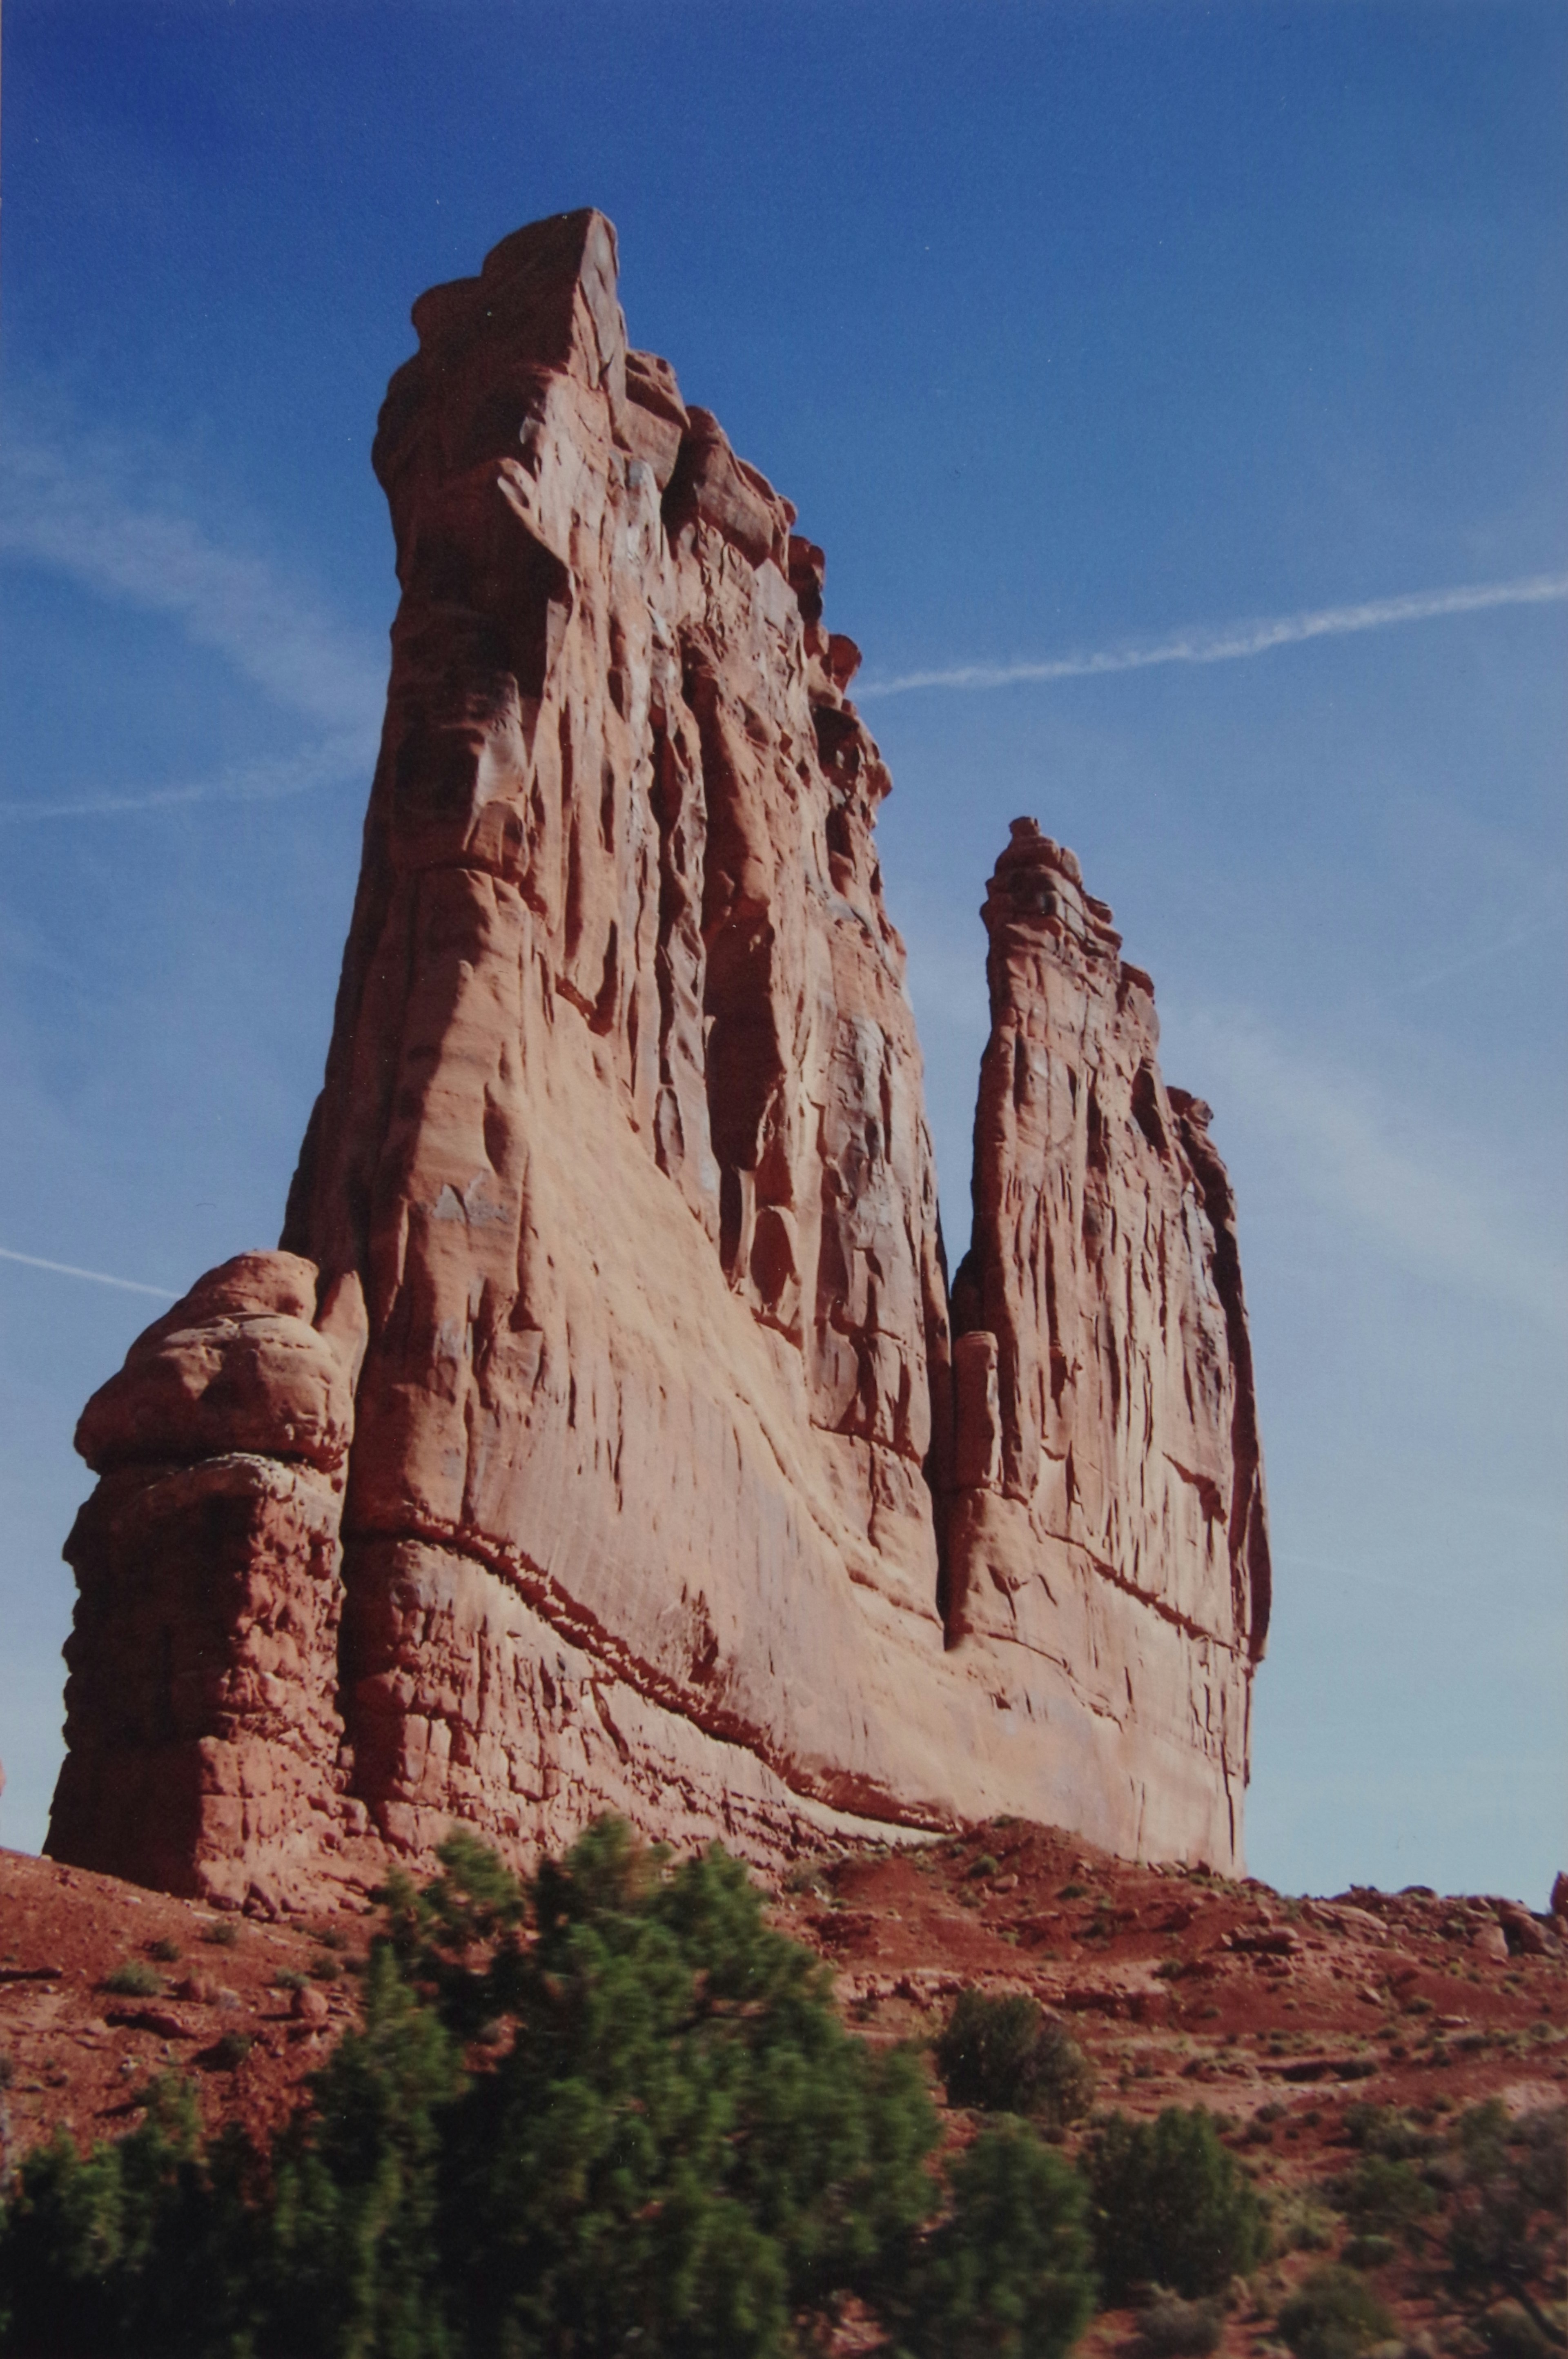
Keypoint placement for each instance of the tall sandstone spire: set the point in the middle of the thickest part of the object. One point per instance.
(593, 1439)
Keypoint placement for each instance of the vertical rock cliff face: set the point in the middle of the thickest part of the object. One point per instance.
(647, 1487)
(1108, 1514)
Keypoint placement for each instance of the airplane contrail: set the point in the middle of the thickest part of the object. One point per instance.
(1230, 641)
(98, 1276)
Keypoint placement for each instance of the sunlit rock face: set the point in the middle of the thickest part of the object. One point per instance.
(653, 1488)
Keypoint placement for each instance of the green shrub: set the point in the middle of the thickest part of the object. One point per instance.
(164, 1950)
(1382, 2199)
(1505, 2228)
(1010, 2273)
(1170, 2207)
(613, 2113)
(1005, 2055)
(1173, 2329)
(1333, 2314)
(133, 1980)
(1382, 2129)
(223, 1935)
(135, 2249)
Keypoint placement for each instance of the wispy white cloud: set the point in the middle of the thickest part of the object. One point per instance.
(348, 753)
(1434, 1202)
(69, 511)
(1229, 642)
(98, 1277)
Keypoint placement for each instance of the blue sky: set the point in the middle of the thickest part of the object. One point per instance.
(1077, 334)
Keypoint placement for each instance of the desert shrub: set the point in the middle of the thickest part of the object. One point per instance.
(1510, 2333)
(1333, 2314)
(1384, 2130)
(133, 2248)
(1010, 2273)
(223, 1935)
(1301, 2224)
(1170, 2207)
(1006, 2055)
(1381, 2198)
(1170, 2328)
(614, 2112)
(164, 1950)
(1506, 2233)
(133, 1980)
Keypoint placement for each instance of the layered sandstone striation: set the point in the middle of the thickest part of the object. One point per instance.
(644, 1483)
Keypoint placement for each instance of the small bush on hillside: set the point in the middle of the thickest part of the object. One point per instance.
(1507, 2236)
(1383, 2129)
(133, 1980)
(1173, 2329)
(1011, 2273)
(1383, 2199)
(1334, 2314)
(1006, 2056)
(1170, 2207)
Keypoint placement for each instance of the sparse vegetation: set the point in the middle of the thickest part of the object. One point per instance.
(134, 1979)
(1334, 2314)
(1384, 2199)
(1170, 2328)
(615, 2112)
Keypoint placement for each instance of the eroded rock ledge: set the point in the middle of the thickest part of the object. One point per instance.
(593, 1441)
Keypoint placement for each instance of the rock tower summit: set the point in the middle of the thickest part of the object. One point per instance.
(602, 1435)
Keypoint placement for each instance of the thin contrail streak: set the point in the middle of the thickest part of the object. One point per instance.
(1232, 640)
(98, 1276)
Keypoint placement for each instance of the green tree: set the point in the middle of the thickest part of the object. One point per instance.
(1505, 2227)
(1169, 2206)
(141, 2247)
(1006, 2055)
(683, 2141)
(352, 2264)
(1009, 2274)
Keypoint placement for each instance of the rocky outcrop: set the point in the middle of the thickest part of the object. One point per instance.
(1109, 1511)
(653, 1492)
(202, 1723)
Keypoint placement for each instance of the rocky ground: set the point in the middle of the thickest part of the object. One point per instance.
(1280, 2014)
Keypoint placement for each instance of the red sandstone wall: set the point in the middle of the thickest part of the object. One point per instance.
(623, 1139)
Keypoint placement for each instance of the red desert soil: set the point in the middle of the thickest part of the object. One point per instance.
(1182, 1987)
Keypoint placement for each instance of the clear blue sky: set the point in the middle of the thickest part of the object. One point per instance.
(1072, 331)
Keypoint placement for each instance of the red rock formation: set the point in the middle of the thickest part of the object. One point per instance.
(202, 1725)
(623, 1138)
(1109, 1512)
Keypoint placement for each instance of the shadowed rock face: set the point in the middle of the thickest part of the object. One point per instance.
(644, 1484)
